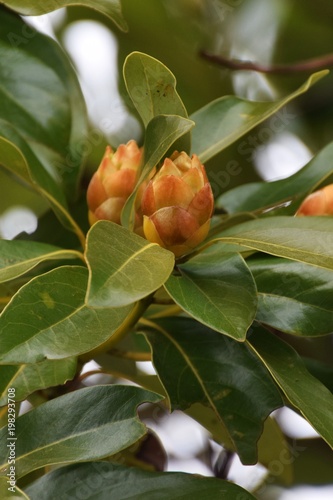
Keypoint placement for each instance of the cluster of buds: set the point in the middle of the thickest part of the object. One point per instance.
(318, 203)
(113, 183)
(174, 207)
(177, 204)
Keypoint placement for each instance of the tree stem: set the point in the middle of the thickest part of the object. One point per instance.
(307, 66)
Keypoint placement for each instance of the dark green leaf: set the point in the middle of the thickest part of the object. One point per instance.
(104, 480)
(111, 8)
(41, 99)
(87, 424)
(294, 297)
(259, 195)
(304, 239)
(223, 121)
(197, 365)
(53, 321)
(27, 379)
(123, 266)
(218, 290)
(305, 392)
(19, 257)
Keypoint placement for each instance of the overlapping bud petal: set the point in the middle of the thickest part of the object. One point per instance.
(177, 204)
(318, 203)
(113, 183)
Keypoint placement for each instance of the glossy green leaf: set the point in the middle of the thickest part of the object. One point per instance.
(104, 480)
(294, 297)
(223, 121)
(261, 195)
(304, 239)
(218, 290)
(27, 379)
(53, 321)
(304, 391)
(111, 8)
(152, 87)
(18, 257)
(87, 424)
(162, 132)
(198, 365)
(41, 101)
(123, 266)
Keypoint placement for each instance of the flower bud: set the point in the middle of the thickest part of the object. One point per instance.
(113, 183)
(177, 204)
(318, 203)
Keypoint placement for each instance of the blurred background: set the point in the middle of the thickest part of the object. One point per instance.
(175, 32)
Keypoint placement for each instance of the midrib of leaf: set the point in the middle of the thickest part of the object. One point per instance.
(27, 177)
(73, 225)
(294, 398)
(196, 374)
(42, 257)
(288, 252)
(295, 300)
(209, 152)
(152, 109)
(17, 373)
(50, 328)
(74, 437)
(211, 302)
(120, 269)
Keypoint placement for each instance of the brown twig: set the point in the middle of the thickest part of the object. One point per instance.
(309, 65)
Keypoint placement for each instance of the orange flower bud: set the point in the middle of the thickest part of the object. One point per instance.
(318, 203)
(113, 182)
(177, 204)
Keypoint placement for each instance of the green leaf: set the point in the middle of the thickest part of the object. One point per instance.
(39, 179)
(123, 266)
(162, 132)
(14, 493)
(223, 121)
(87, 424)
(41, 99)
(218, 290)
(53, 321)
(198, 365)
(152, 87)
(129, 483)
(304, 239)
(261, 195)
(18, 257)
(294, 297)
(304, 391)
(27, 379)
(110, 8)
